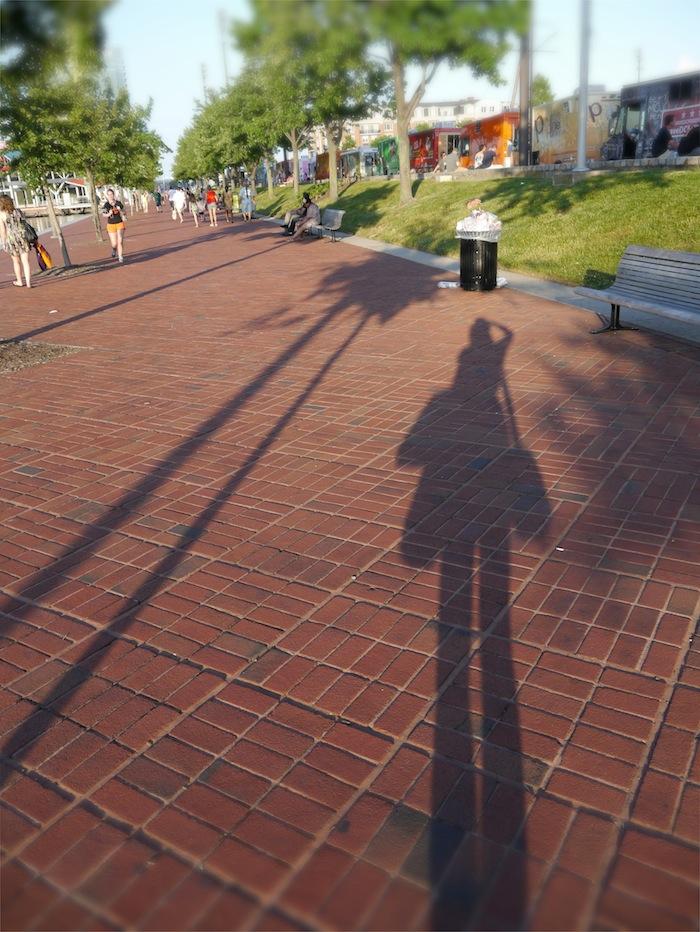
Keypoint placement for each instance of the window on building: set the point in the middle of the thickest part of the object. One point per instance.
(492, 109)
(387, 126)
(483, 109)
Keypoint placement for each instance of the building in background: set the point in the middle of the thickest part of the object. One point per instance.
(427, 113)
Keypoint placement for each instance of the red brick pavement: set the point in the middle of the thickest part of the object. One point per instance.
(333, 600)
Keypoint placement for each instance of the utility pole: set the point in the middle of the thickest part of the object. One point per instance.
(223, 28)
(204, 82)
(583, 87)
(639, 66)
(524, 80)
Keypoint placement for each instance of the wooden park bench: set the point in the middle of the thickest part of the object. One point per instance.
(657, 281)
(330, 223)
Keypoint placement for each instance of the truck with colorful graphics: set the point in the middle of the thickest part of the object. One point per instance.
(555, 127)
(643, 107)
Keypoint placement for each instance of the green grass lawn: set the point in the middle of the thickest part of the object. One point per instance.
(573, 234)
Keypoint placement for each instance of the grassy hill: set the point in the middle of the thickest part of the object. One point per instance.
(573, 234)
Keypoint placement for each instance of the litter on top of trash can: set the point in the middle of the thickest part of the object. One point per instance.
(480, 224)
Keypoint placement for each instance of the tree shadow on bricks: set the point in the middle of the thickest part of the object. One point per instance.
(349, 316)
(478, 510)
(139, 295)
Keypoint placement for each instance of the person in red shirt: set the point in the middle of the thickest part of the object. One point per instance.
(211, 206)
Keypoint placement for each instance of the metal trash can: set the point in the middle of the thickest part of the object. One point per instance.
(479, 233)
(478, 262)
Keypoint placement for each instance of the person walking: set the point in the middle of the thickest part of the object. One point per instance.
(245, 197)
(158, 198)
(179, 204)
(211, 206)
(228, 204)
(116, 223)
(145, 197)
(192, 205)
(13, 238)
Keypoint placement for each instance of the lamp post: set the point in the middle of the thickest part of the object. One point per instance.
(583, 87)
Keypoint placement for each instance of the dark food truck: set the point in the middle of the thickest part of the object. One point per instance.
(643, 107)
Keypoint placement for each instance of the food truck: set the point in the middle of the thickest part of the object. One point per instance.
(640, 115)
(388, 155)
(498, 132)
(362, 162)
(555, 127)
(426, 145)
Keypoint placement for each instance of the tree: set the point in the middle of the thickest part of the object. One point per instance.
(35, 122)
(47, 46)
(287, 91)
(427, 33)
(322, 46)
(347, 143)
(541, 91)
(45, 36)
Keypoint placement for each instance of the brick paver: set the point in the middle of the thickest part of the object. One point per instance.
(333, 600)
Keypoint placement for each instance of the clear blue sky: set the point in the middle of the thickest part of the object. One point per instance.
(164, 44)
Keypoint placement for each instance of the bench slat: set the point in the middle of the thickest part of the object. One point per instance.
(625, 297)
(653, 285)
(650, 252)
(661, 271)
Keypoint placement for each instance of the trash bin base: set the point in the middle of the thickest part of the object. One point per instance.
(478, 263)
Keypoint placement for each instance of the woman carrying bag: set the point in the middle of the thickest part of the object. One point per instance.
(15, 235)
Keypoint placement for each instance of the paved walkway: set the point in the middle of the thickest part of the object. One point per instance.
(334, 600)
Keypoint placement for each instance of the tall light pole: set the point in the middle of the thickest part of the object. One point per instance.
(583, 87)
(223, 32)
(525, 80)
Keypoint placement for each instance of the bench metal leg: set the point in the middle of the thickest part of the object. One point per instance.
(614, 322)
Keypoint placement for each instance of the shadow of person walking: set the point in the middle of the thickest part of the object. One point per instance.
(479, 507)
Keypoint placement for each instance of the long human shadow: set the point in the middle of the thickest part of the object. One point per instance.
(84, 315)
(344, 283)
(459, 524)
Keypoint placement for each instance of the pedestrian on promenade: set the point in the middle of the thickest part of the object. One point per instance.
(13, 238)
(228, 204)
(179, 204)
(192, 205)
(246, 200)
(144, 201)
(158, 198)
(211, 206)
(116, 224)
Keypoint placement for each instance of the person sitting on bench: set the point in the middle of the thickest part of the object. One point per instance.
(292, 217)
(311, 218)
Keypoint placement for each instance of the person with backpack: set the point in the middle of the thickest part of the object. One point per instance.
(15, 239)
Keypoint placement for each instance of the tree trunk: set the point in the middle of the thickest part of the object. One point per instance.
(270, 181)
(332, 163)
(403, 117)
(95, 207)
(55, 225)
(294, 139)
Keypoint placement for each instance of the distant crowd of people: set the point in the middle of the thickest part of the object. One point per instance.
(203, 202)
(199, 202)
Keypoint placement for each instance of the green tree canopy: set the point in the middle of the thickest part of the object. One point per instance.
(427, 33)
(541, 91)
